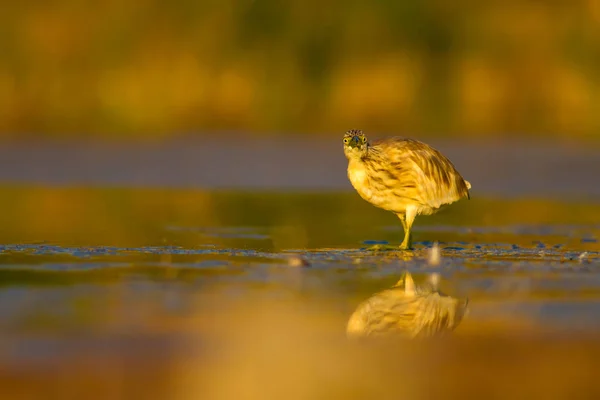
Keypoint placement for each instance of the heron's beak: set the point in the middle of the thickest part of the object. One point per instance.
(355, 141)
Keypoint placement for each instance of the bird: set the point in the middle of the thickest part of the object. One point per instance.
(407, 311)
(404, 176)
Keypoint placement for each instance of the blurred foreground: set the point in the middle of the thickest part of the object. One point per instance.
(185, 294)
(269, 350)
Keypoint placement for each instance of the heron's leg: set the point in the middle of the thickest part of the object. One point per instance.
(407, 221)
(403, 220)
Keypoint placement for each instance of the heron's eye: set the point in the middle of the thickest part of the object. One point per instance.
(364, 139)
(345, 140)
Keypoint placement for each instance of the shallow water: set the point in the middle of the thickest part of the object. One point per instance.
(172, 293)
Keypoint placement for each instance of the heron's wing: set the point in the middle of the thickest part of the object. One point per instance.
(425, 173)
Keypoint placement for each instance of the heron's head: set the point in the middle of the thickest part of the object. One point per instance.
(355, 144)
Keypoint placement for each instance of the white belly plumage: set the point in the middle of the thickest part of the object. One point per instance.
(382, 199)
(360, 181)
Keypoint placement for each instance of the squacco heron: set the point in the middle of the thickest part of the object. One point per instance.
(404, 176)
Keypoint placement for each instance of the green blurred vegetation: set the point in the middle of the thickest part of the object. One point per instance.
(149, 68)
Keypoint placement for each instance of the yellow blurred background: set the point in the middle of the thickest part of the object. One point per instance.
(152, 69)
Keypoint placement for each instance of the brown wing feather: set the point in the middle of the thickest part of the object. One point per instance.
(421, 172)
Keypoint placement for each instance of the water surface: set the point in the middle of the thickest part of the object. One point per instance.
(192, 290)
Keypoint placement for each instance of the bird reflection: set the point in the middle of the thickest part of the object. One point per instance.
(407, 310)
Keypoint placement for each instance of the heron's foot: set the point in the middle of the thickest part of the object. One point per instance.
(385, 247)
(406, 243)
(382, 247)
